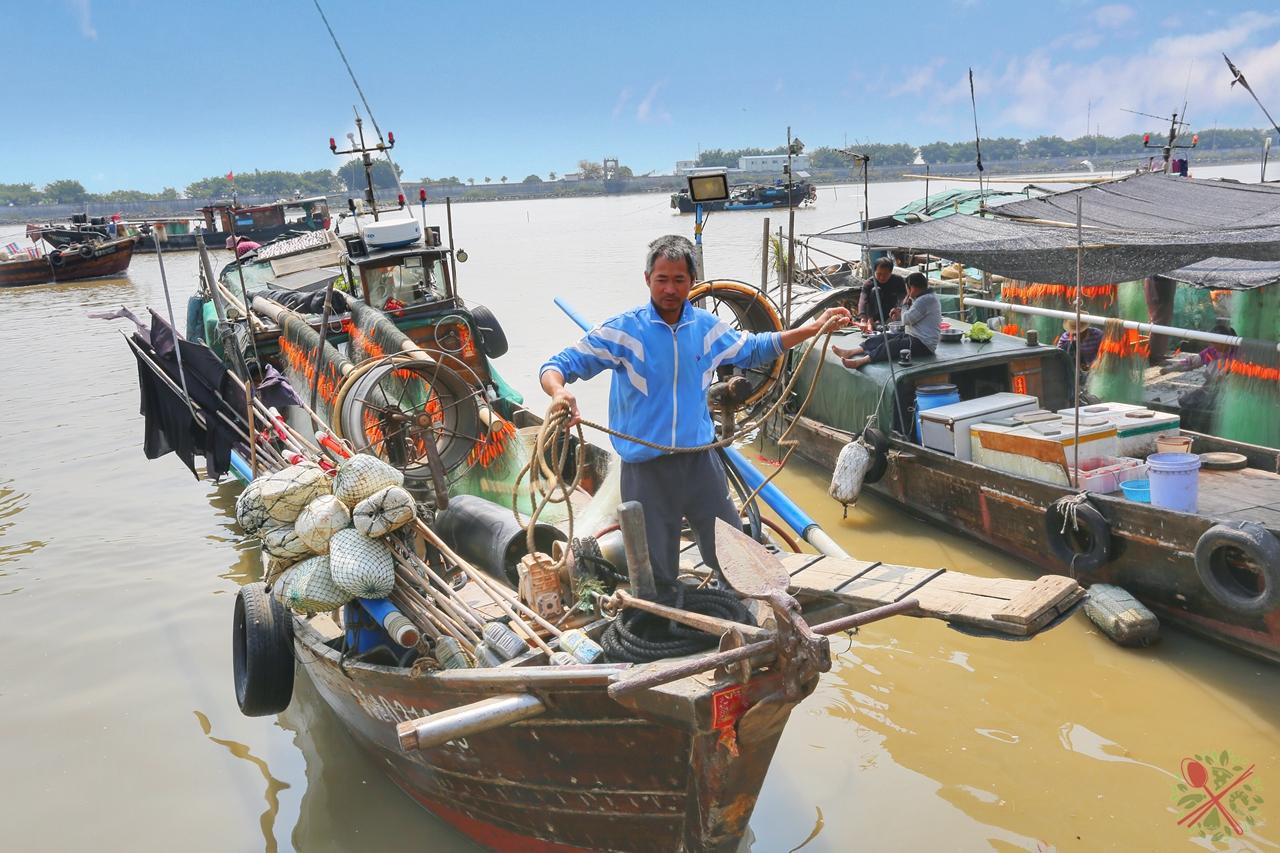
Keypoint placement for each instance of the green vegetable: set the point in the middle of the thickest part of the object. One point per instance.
(979, 332)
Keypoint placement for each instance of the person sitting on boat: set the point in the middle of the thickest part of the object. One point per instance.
(664, 355)
(922, 318)
(243, 245)
(881, 293)
(1090, 341)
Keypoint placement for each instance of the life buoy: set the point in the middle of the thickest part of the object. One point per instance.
(493, 341)
(85, 252)
(878, 444)
(1084, 546)
(261, 652)
(1221, 557)
(55, 258)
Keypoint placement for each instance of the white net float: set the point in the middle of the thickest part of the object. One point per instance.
(281, 540)
(361, 476)
(384, 511)
(311, 588)
(250, 513)
(285, 493)
(360, 565)
(319, 520)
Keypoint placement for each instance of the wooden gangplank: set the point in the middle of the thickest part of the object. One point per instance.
(1003, 605)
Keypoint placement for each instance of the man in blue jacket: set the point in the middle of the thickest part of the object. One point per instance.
(664, 356)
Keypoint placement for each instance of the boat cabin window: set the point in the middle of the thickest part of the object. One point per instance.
(405, 281)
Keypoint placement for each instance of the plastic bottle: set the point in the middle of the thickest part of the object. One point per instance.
(449, 654)
(504, 641)
(583, 648)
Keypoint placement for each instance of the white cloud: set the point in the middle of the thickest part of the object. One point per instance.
(649, 110)
(623, 97)
(1044, 91)
(84, 12)
(1116, 15)
(919, 80)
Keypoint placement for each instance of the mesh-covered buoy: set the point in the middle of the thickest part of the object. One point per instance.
(361, 476)
(319, 520)
(311, 587)
(360, 565)
(251, 515)
(285, 493)
(281, 540)
(384, 511)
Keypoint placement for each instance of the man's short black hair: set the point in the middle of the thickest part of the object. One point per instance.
(886, 261)
(918, 280)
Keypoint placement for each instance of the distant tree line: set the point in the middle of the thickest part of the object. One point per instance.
(993, 149)
(349, 177)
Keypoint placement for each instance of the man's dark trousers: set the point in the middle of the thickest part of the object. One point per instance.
(671, 488)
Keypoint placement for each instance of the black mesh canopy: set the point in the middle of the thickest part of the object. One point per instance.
(1224, 234)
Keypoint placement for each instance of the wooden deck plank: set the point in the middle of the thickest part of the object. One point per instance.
(1004, 605)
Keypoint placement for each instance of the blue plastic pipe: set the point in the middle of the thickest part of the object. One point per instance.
(573, 315)
(787, 509)
(240, 468)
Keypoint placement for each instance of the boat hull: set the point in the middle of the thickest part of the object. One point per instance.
(1152, 549)
(173, 242)
(657, 773)
(106, 259)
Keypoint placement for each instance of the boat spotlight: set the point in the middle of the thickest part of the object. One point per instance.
(710, 187)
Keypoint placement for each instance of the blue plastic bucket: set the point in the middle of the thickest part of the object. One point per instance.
(1175, 480)
(1138, 491)
(933, 396)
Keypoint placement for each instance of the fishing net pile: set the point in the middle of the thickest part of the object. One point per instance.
(324, 536)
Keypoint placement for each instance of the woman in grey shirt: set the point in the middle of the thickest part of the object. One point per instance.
(922, 315)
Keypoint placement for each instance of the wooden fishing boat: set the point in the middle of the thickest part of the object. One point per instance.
(664, 751)
(1215, 571)
(70, 263)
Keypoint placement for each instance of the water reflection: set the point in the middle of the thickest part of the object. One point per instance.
(13, 502)
(274, 786)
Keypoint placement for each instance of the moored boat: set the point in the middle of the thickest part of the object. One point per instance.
(753, 197)
(69, 263)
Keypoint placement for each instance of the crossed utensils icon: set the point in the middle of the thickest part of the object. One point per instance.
(1197, 776)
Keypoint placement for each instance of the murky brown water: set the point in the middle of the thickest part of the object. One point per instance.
(116, 574)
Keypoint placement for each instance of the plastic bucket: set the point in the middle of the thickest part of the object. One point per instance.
(1138, 491)
(1175, 480)
(933, 396)
(1173, 444)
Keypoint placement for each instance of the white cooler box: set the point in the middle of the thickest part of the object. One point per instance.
(1136, 426)
(1041, 451)
(946, 428)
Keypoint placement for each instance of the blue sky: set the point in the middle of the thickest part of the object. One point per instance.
(140, 94)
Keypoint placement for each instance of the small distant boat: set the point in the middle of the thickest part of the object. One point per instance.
(70, 263)
(753, 197)
(215, 223)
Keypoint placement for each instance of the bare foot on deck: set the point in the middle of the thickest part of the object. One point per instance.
(849, 352)
(855, 363)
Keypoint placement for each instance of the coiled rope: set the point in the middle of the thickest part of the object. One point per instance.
(640, 637)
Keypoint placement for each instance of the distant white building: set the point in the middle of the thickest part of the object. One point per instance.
(683, 167)
(772, 163)
(572, 176)
(690, 167)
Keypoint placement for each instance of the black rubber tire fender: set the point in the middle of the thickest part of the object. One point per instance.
(1259, 546)
(262, 652)
(493, 341)
(85, 252)
(878, 444)
(55, 258)
(1061, 545)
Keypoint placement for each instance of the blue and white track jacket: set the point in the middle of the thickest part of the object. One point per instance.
(661, 372)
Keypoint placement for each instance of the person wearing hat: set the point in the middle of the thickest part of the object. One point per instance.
(243, 245)
(1090, 340)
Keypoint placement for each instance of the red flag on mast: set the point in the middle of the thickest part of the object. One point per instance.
(231, 176)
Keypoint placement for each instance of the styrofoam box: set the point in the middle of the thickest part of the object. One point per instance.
(1137, 427)
(1041, 451)
(946, 428)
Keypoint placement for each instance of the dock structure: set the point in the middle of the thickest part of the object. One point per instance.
(1009, 606)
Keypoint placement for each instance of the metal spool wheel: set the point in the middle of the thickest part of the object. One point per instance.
(398, 406)
(746, 309)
